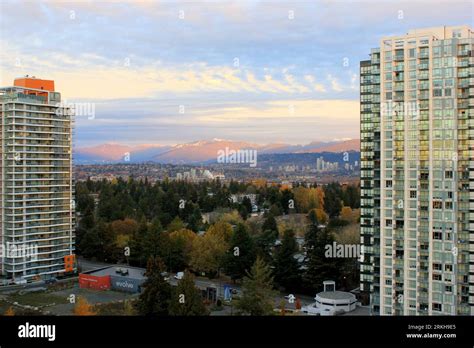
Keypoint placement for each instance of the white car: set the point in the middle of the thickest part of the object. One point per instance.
(179, 275)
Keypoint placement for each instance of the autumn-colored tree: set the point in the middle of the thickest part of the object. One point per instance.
(260, 183)
(232, 218)
(346, 214)
(321, 215)
(308, 198)
(185, 236)
(317, 197)
(220, 229)
(208, 250)
(124, 227)
(83, 307)
(10, 312)
(180, 247)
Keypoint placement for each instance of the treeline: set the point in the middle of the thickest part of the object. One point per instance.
(134, 221)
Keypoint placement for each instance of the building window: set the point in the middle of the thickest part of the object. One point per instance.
(437, 307)
(437, 235)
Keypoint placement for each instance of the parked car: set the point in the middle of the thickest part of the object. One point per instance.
(51, 280)
(179, 275)
(20, 281)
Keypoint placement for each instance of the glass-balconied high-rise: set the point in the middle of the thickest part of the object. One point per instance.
(36, 192)
(417, 173)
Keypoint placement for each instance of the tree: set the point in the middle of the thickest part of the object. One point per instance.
(154, 241)
(175, 225)
(245, 208)
(266, 239)
(308, 198)
(128, 308)
(241, 254)
(318, 267)
(83, 307)
(346, 214)
(257, 291)
(270, 224)
(90, 244)
(351, 196)
(194, 219)
(180, 247)
(321, 215)
(124, 227)
(186, 298)
(286, 267)
(155, 298)
(208, 250)
(332, 200)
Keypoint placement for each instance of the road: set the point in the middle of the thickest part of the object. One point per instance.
(201, 283)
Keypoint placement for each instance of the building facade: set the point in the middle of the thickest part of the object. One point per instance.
(36, 192)
(417, 173)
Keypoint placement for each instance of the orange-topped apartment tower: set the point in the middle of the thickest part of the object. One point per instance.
(36, 192)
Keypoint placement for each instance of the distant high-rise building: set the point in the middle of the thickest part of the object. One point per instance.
(36, 193)
(417, 173)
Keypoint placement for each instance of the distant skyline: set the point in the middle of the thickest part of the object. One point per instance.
(177, 72)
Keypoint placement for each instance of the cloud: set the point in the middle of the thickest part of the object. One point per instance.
(138, 61)
(335, 85)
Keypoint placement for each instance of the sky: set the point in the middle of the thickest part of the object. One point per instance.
(169, 72)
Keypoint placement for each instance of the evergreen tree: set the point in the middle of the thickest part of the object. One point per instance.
(186, 298)
(287, 268)
(137, 256)
(332, 199)
(154, 240)
(258, 296)
(241, 254)
(155, 298)
(90, 244)
(319, 267)
(270, 224)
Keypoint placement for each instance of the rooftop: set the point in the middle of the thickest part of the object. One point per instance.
(336, 295)
(133, 272)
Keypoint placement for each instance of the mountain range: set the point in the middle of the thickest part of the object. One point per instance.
(198, 151)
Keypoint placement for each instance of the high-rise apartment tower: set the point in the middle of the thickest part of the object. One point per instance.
(417, 173)
(36, 191)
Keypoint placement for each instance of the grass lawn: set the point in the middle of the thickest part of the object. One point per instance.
(37, 299)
